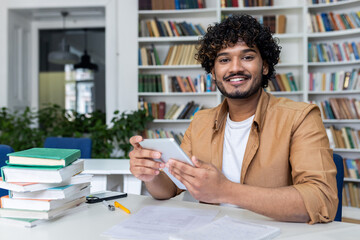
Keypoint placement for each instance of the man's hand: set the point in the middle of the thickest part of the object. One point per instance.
(204, 181)
(142, 165)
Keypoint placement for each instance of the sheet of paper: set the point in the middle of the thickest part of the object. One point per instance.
(230, 229)
(156, 222)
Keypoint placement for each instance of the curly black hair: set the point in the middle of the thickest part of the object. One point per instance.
(234, 28)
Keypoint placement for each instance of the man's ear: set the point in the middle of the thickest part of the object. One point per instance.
(265, 68)
(213, 73)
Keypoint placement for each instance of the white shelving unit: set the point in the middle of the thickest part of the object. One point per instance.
(293, 57)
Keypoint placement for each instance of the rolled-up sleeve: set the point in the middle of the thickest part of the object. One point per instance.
(313, 168)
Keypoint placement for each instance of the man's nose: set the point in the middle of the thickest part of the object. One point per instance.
(236, 65)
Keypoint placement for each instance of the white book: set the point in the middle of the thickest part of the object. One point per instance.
(42, 174)
(32, 222)
(31, 187)
(178, 111)
(60, 192)
(41, 204)
(32, 214)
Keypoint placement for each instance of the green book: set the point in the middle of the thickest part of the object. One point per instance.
(44, 157)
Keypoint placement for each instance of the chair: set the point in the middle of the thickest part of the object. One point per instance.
(339, 180)
(83, 144)
(4, 150)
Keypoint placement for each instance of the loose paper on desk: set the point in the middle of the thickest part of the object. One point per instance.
(157, 222)
(230, 229)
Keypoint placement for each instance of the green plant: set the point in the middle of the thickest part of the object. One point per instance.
(16, 129)
(127, 125)
(23, 130)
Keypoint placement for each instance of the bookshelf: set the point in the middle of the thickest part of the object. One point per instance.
(337, 37)
(294, 56)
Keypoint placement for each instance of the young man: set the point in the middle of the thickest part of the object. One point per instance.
(265, 154)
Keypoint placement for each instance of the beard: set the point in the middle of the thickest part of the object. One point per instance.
(237, 94)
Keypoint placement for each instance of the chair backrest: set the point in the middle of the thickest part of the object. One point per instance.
(4, 150)
(340, 180)
(83, 144)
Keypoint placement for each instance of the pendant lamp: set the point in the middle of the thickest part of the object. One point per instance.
(63, 56)
(85, 58)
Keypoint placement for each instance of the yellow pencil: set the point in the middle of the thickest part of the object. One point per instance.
(118, 205)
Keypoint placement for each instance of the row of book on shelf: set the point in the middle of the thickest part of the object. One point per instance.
(335, 52)
(326, 22)
(170, 4)
(339, 108)
(179, 54)
(351, 190)
(246, 3)
(310, 2)
(159, 28)
(282, 82)
(170, 112)
(345, 137)
(43, 183)
(165, 84)
(351, 194)
(161, 133)
(276, 23)
(334, 81)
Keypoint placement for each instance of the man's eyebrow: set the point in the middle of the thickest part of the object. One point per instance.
(242, 51)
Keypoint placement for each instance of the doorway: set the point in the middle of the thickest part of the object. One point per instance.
(71, 85)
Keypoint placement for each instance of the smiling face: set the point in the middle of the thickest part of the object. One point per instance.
(238, 71)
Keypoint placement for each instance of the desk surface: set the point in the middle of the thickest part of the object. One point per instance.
(91, 222)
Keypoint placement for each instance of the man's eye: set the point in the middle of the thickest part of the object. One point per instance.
(223, 60)
(248, 57)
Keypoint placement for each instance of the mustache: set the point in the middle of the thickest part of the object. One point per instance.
(236, 74)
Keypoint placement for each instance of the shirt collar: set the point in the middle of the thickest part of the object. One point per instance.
(260, 112)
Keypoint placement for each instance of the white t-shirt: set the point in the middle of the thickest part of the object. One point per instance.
(235, 140)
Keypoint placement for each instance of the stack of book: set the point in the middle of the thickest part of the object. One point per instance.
(43, 183)
(351, 190)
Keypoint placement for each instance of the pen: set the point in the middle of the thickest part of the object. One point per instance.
(118, 205)
(109, 206)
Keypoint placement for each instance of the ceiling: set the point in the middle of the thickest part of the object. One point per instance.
(55, 13)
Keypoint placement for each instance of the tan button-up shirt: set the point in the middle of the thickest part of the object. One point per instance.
(287, 146)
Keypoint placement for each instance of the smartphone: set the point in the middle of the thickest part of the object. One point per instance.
(169, 149)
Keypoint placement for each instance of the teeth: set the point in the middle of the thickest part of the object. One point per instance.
(237, 79)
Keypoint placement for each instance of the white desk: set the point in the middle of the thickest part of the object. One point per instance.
(90, 223)
(109, 173)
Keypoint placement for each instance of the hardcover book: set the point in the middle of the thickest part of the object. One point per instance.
(44, 157)
(31, 187)
(53, 193)
(12, 173)
(41, 204)
(31, 214)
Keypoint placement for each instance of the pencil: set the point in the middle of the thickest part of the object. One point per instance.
(118, 205)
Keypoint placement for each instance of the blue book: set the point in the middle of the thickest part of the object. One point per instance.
(208, 83)
(352, 168)
(326, 22)
(320, 53)
(355, 50)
